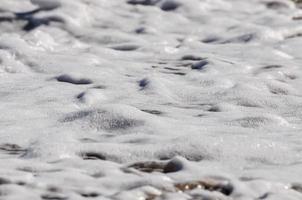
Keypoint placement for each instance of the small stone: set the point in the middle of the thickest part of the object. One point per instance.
(174, 165)
(199, 65)
(144, 83)
(169, 5)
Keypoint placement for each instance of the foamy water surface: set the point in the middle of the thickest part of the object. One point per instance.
(150, 99)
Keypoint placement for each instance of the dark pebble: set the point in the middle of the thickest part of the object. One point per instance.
(200, 65)
(173, 165)
(169, 5)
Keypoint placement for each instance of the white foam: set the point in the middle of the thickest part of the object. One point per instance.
(194, 95)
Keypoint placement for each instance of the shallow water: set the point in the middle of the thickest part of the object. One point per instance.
(191, 99)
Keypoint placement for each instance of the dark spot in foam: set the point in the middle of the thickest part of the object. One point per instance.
(121, 122)
(143, 2)
(162, 63)
(54, 196)
(88, 140)
(200, 65)
(176, 73)
(81, 95)
(276, 5)
(247, 178)
(13, 149)
(179, 73)
(245, 38)
(272, 67)
(211, 39)
(144, 83)
(240, 39)
(172, 69)
(33, 22)
(102, 119)
(53, 189)
(154, 112)
(98, 175)
(278, 90)
(93, 156)
(169, 5)
(89, 194)
(268, 68)
(179, 45)
(69, 79)
(21, 183)
(192, 58)
(7, 19)
(214, 109)
(140, 30)
(138, 141)
(125, 47)
(264, 196)
(75, 116)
